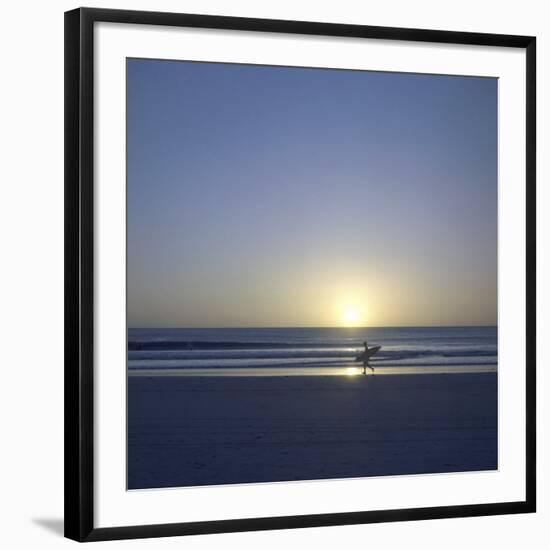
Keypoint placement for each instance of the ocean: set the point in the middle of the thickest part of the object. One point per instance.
(309, 351)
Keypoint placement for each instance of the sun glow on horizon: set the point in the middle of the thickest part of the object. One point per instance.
(352, 316)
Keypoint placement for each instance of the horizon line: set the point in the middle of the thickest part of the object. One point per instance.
(305, 326)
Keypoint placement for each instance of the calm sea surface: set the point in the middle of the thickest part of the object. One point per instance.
(313, 351)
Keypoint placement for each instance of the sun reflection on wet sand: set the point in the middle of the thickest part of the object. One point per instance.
(352, 371)
(316, 371)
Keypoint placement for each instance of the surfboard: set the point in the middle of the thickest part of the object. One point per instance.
(366, 355)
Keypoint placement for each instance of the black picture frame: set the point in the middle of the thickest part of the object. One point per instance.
(79, 273)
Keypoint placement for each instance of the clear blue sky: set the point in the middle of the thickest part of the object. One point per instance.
(272, 196)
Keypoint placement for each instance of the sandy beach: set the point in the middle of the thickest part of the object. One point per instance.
(196, 430)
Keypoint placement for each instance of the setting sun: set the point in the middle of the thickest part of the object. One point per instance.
(352, 316)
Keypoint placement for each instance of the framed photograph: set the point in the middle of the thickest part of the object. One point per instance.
(300, 274)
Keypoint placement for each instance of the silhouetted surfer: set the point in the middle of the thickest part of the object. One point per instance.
(366, 359)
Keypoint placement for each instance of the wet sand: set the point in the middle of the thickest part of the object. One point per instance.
(196, 430)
